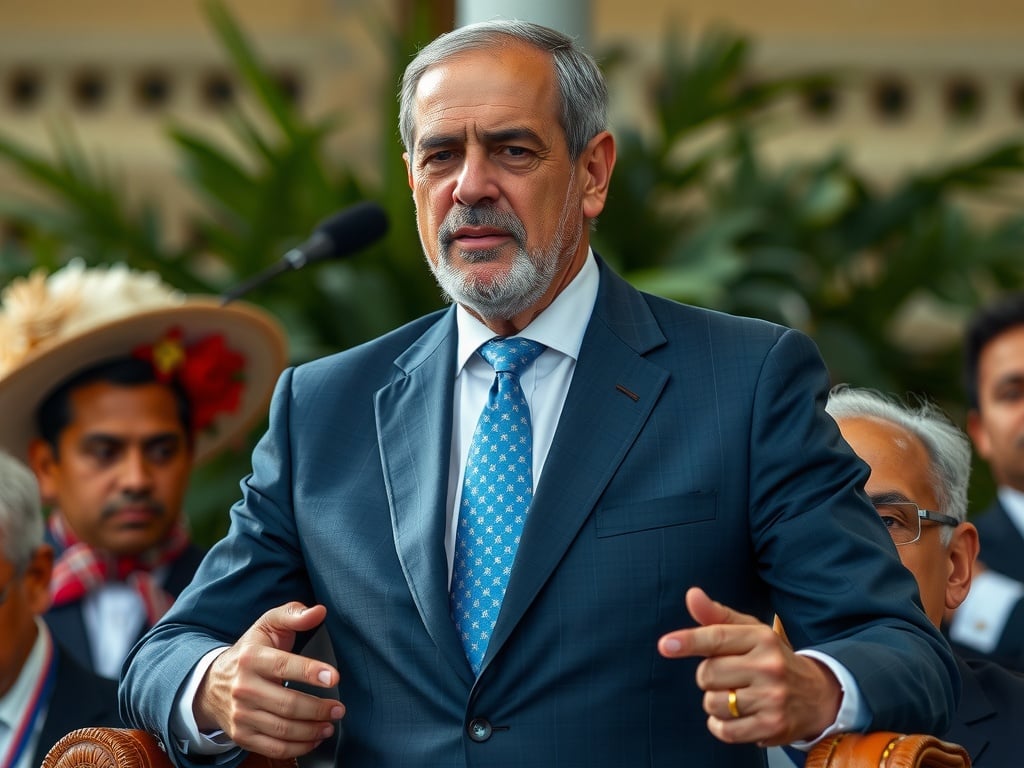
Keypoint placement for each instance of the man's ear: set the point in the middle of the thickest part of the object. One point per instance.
(408, 168)
(597, 160)
(962, 552)
(44, 463)
(979, 435)
(37, 579)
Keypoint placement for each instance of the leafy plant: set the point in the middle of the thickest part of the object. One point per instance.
(262, 191)
(695, 213)
(814, 245)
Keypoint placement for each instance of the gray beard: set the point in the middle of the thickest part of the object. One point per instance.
(526, 281)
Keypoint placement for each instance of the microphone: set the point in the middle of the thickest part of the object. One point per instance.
(342, 234)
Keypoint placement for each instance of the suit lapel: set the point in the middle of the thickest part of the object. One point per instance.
(583, 458)
(414, 426)
(974, 708)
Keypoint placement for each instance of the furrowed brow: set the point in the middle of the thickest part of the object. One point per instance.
(513, 135)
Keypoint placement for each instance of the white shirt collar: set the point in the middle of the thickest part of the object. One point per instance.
(560, 326)
(16, 700)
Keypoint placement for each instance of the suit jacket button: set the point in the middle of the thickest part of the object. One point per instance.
(479, 729)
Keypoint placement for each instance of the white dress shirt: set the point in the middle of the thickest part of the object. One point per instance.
(980, 620)
(18, 698)
(114, 615)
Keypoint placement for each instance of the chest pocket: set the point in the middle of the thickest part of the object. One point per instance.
(656, 513)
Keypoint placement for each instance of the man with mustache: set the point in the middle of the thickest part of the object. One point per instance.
(127, 386)
(512, 515)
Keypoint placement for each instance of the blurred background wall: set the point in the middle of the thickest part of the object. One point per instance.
(925, 79)
(853, 168)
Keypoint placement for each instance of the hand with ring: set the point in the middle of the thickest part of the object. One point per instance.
(787, 697)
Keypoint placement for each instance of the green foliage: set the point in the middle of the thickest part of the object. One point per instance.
(261, 192)
(695, 213)
(703, 218)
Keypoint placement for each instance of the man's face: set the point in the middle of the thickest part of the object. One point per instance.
(123, 466)
(23, 596)
(501, 208)
(997, 427)
(901, 471)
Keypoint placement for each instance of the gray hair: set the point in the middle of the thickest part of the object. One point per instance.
(948, 448)
(581, 86)
(21, 516)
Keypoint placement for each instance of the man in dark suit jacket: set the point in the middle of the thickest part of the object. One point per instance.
(80, 699)
(677, 454)
(44, 694)
(990, 623)
(112, 401)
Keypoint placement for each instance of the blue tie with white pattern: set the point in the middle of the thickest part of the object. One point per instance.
(496, 495)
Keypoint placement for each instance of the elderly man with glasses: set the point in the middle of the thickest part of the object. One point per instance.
(44, 693)
(920, 466)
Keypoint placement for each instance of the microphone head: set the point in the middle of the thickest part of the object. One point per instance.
(347, 231)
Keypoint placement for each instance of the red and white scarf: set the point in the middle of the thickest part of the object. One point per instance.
(81, 568)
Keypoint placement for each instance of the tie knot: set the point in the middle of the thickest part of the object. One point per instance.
(511, 355)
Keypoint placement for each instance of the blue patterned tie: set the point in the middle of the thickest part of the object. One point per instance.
(496, 495)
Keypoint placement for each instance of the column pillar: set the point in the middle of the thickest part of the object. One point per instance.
(571, 17)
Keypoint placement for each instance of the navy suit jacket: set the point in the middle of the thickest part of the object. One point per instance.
(1002, 546)
(79, 699)
(692, 449)
(1002, 550)
(67, 623)
(991, 710)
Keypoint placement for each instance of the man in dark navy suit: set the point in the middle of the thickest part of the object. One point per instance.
(990, 623)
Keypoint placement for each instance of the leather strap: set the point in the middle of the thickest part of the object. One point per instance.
(886, 749)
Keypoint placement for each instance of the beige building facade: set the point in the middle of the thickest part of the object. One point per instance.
(924, 80)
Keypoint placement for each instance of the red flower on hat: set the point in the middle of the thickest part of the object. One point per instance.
(210, 372)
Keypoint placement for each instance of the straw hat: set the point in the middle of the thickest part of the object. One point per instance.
(51, 328)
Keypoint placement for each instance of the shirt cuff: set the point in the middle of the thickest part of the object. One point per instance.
(853, 714)
(980, 620)
(184, 729)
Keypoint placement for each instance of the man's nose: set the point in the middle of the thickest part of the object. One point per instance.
(136, 474)
(477, 181)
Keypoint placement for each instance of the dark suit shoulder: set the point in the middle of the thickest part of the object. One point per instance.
(375, 352)
(719, 330)
(991, 707)
(992, 520)
(1003, 687)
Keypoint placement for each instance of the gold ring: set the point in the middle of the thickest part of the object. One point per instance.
(734, 707)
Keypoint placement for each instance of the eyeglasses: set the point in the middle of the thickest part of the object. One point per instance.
(903, 520)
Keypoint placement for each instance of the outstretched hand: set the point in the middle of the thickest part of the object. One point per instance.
(778, 696)
(242, 693)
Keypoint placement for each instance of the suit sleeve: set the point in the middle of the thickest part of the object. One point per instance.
(836, 579)
(223, 600)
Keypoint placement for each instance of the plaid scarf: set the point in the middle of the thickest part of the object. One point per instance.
(81, 568)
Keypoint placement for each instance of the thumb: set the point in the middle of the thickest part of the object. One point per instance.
(706, 611)
(278, 626)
